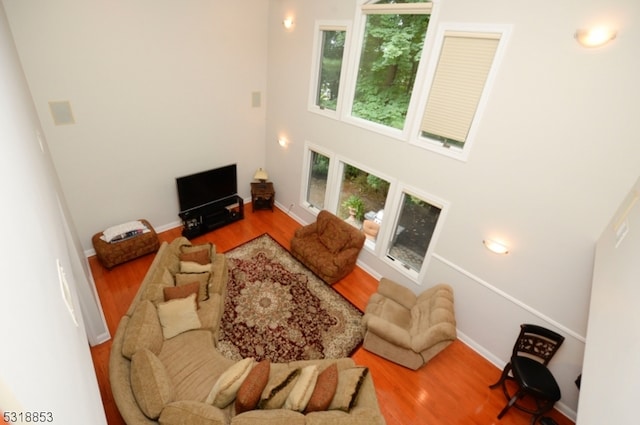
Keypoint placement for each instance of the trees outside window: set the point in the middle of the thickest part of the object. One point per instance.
(333, 42)
(389, 59)
(318, 169)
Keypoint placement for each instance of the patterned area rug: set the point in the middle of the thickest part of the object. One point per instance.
(277, 309)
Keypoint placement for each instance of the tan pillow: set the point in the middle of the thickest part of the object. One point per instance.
(182, 291)
(226, 387)
(201, 256)
(150, 383)
(192, 267)
(302, 390)
(349, 383)
(179, 315)
(278, 388)
(324, 391)
(143, 330)
(208, 247)
(202, 278)
(249, 393)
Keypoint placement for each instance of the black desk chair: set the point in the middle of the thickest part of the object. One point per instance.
(528, 366)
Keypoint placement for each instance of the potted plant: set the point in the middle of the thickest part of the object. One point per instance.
(355, 206)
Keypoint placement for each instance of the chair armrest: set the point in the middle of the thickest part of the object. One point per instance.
(444, 331)
(388, 331)
(396, 292)
(347, 257)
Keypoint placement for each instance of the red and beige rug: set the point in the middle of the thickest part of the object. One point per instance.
(277, 309)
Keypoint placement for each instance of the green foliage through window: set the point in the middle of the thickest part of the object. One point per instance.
(389, 62)
(330, 67)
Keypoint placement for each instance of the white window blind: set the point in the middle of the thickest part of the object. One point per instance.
(459, 80)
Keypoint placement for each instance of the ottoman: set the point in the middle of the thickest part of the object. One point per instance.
(111, 254)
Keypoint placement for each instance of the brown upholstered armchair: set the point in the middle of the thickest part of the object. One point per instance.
(329, 246)
(408, 329)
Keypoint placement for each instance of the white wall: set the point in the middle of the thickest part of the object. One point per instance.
(610, 386)
(158, 89)
(46, 364)
(555, 154)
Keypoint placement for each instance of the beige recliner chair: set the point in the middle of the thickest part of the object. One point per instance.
(409, 329)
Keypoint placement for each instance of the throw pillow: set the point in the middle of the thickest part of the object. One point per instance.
(179, 315)
(349, 383)
(182, 291)
(208, 247)
(202, 278)
(324, 391)
(278, 389)
(192, 267)
(226, 387)
(143, 330)
(150, 383)
(302, 390)
(201, 256)
(334, 237)
(249, 393)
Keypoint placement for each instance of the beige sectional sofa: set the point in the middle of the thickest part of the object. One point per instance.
(165, 369)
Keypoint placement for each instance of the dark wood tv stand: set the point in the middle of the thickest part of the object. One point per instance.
(203, 219)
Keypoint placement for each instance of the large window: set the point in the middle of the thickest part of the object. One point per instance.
(362, 195)
(408, 76)
(389, 59)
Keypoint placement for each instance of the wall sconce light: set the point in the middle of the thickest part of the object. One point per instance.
(283, 142)
(495, 246)
(261, 175)
(288, 22)
(595, 37)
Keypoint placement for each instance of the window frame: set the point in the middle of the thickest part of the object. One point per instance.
(316, 61)
(402, 189)
(437, 146)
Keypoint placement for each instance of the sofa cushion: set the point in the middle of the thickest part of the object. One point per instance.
(154, 288)
(324, 390)
(281, 382)
(269, 417)
(202, 278)
(251, 389)
(150, 383)
(179, 315)
(143, 330)
(192, 413)
(226, 387)
(349, 384)
(303, 388)
(182, 291)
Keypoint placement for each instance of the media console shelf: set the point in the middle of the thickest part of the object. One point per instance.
(200, 220)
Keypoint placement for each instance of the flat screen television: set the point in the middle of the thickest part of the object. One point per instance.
(199, 189)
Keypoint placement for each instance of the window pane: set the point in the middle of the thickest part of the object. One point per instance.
(412, 235)
(317, 186)
(362, 198)
(388, 65)
(330, 67)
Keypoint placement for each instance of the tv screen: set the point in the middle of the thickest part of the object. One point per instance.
(201, 188)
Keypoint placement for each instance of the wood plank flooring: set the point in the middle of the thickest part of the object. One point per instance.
(452, 389)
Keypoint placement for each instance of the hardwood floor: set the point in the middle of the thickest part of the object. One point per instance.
(451, 389)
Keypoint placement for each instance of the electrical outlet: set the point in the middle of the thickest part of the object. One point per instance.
(290, 207)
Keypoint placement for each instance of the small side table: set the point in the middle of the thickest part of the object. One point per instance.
(262, 196)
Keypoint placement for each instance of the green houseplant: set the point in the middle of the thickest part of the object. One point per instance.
(355, 206)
